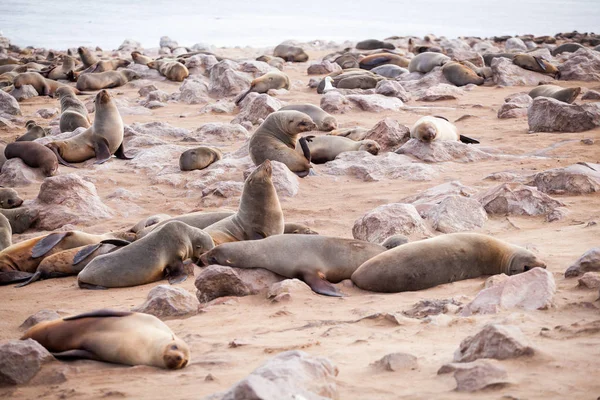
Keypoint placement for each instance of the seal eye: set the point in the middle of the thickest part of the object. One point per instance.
(526, 268)
(174, 347)
(212, 260)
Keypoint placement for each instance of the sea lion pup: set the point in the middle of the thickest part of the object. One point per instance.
(172, 70)
(105, 80)
(9, 198)
(317, 260)
(460, 75)
(139, 58)
(259, 214)
(290, 53)
(199, 158)
(275, 139)
(120, 337)
(102, 139)
(394, 241)
(33, 154)
(355, 133)
(262, 84)
(374, 44)
(425, 62)
(73, 113)
(20, 218)
(434, 128)
(199, 219)
(566, 48)
(5, 233)
(292, 228)
(44, 87)
(375, 60)
(97, 67)
(87, 58)
(389, 70)
(59, 71)
(534, 63)
(327, 148)
(34, 131)
(443, 259)
(566, 95)
(325, 121)
(160, 254)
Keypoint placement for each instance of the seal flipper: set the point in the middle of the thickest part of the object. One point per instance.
(102, 313)
(540, 62)
(76, 354)
(120, 153)
(89, 286)
(320, 285)
(101, 150)
(439, 116)
(87, 250)
(305, 150)
(176, 273)
(466, 139)
(58, 156)
(242, 97)
(8, 277)
(41, 275)
(42, 247)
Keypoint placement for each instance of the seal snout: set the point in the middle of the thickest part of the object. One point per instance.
(175, 358)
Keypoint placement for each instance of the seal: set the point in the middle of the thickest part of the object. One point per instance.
(148, 221)
(374, 44)
(566, 95)
(199, 219)
(139, 58)
(161, 253)
(460, 75)
(259, 214)
(428, 129)
(87, 58)
(375, 60)
(172, 70)
(489, 57)
(2, 156)
(33, 154)
(325, 121)
(327, 148)
(20, 218)
(394, 241)
(350, 79)
(292, 228)
(9, 198)
(425, 62)
(443, 259)
(5, 233)
(60, 71)
(44, 87)
(120, 337)
(102, 139)
(97, 67)
(389, 70)
(347, 60)
(275, 139)
(105, 80)
(73, 113)
(354, 133)
(534, 63)
(199, 158)
(317, 260)
(270, 80)
(290, 53)
(566, 48)
(34, 131)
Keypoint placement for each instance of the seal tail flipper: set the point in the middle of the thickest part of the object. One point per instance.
(87, 250)
(120, 153)
(242, 97)
(466, 139)
(58, 156)
(101, 150)
(320, 285)
(42, 247)
(177, 272)
(34, 277)
(76, 354)
(8, 277)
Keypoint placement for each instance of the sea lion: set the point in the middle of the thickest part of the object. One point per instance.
(200, 220)
(139, 58)
(566, 48)
(327, 148)
(430, 128)
(347, 60)
(566, 95)
(44, 87)
(276, 62)
(161, 253)
(443, 259)
(350, 79)
(259, 214)
(325, 121)
(199, 158)
(425, 62)
(59, 71)
(489, 57)
(20, 218)
(375, 60)
(34, 131)
(534, 63)
(292, 228)
(394, 241)
(33, 154)
(275, 139)
(262, 84)
(9, 198)
(87, 58)
(97, 67)
(105, 80)
(120, 337)
(354, 133)
(374, 44)
(460, 75)
(102, 139)
(5, 233)
(149, 221)
(317, 260)
(389, 70)
(73, 113)
(290, 53)
(172, 70)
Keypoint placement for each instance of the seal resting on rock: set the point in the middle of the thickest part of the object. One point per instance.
(435, 128)
(327, 148)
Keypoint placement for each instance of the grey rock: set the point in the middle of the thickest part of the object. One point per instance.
(550, 115)
(387, 220)
(389, 134)
(166, 301)
(496, 341)
(334, 102)
(397, 362)
(591, 95)
(515, 44)
(589, 280)
(256, 107)
(480, 375)
(193, 91)
(24, 92)
(376, 102)
(285, 181)
(225, 81)
(426, 308)
(440, 151)
(218, 132)
(15, 173)
(580, 178)
(508, 74)
(9, 104)
(583, 65)
(218, 281)
(40, 316)
(457, 214)
(323, 68)
(441, 91)
(588, 262)
(517, 199)
(392, 89)
(20, 360)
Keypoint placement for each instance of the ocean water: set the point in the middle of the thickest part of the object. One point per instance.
(106, 23)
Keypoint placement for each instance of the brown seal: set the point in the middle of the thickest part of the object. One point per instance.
(161, 253)
(325, 121)
(44, 87)
(199, 158)
(33, 154)
(354, 133)
(120, 337)
(327, 148)
(566, 48)
(425, 62)
(317, 260)
(139, 58)
(34, 131)
(106, 80)
(394, 241)
(262, 84)
(73, 113)
(172, 70)
(350, 79)
(59, 71)
(87, 58)
(293, 228)
(9, 198)
(290, 53)
(199, 219)
(566, 95)
(97, 67)
(375, 60)
(434, 128)
(5, 233)
(20, 218)
(148, 221)
(460, 75)
(535, 63)
(374, 44)
(443, 259)
(275, 139)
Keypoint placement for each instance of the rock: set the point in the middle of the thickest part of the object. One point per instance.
(256, 68)
(508, 74)
(389, 134)
(583, 65)
(256, 107)
(222, 193)
(157, 157)
(158, 129)
(165, 301)
(440, 151)
(130, 45)
(285, 181)
(166, 41)
(531, 290)
(457, 214)
(392, 89)
(387, 220)
(376, 102)
(152, 105)
(426, 308)
(471, 56)
(9, 104)
(146, 89)
(495, 280)
(224, 81)
(20, 360)
(193, 91)
(289, 286)
(521, 98)
(417, 84)
(512, 110)
(557, 214)
(40, 316)
(480, 375)
(590, 280)
(158, 95)
(591, 95)
(16, 173)
(515, 44)
(517, 199)
(218, 281)
(442, 91)
(580, 178)
(291, 372)
(323, 68)
(550, 115)
(396, 362)
(496, 341)
(47, 113)
(220, 107)
(335, 103)
(436, 194)
(24, 92)
(68, 199)
(217, 132)
(588, 262)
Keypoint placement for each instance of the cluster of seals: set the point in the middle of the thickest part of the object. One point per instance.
(325, 121)
(327, 148)
(266, 82)
(44, 87)
(34, 131)
(120, 337)
(350, 79)
(60, 71)
(290, 53)
(566, 95)
(73, 113)
(435, 128)
(33, 154)
(105, 80)
(199, 158)
(172, 70)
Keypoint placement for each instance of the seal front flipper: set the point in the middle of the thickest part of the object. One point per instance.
(466, 139)
(304, 144)
(8, 277)
(89, 286)
(102, 313)
(46, 244)
(76, 355)
(176, 273)
(540, 62)
(101, 150)
(320, 285)
(120, 153)
(52, 147)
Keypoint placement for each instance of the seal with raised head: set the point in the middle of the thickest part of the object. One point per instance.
(443, 259)
(325, 121)
(139, 58)
(460, 75)
(97, 67)
(20, 218)
(290, 53)
(327, 148)
(199, 158)
(102, 139)
(106, 80)
(9, 198)
(44, 87)
(375, 60)
(172, 70)
(33, 154)
(73, 113)
(317, 260)
(120, 337)
(535, 63)
(5, 233)
(161, 253)
(266, 82)
(87, 58)
(275, 139)
(425, 62)
(566, 95)
(60, 71)
(434, 128)
(34, 131)
(374, 44)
